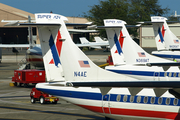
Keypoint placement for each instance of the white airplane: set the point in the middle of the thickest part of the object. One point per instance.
(84, 41)
(98, 44)
(93, 88)
(130, 59)
(168, 45)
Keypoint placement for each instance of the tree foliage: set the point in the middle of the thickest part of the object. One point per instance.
(130, 11)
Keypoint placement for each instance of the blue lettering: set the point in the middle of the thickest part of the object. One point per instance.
(173, 46)
(44, 16)
(110, 21)
(85, 73)
(57, 17)
(80, 74)
(75, 74)
(142, 60)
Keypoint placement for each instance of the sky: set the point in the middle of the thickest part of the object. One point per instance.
(72, 8)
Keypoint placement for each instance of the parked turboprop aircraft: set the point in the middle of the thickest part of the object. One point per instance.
(98, 44)
(106, 97)
(168, 45)
(130, 59)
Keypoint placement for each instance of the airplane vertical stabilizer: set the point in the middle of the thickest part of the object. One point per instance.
(115, 41)
(159, 31)
(132, 52)
(47, 34)
(76, 65)
(164, 38)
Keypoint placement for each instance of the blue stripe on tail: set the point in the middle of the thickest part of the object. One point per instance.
(160, 35)
(117, 44)
(54, 51)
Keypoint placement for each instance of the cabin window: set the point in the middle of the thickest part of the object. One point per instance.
(160, 100)
(139, 99)
(145, 99)
(174, 74)
(165, 74)
(118, 98)
(132, 99)
(170, 74)
(152, 100)
(125, 98)
(168, 101)
(175, 101)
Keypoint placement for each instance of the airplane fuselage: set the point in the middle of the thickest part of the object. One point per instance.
(171, 55)
(34, 56)
(119, 103)
(146, 73)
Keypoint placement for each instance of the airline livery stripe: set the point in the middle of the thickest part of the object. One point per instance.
(113, 97)
(160, 35)
(59, 43)
(145, 73)
(134, 112)
(54, 51)
(121, 39)
(167, 56)
(117, 44)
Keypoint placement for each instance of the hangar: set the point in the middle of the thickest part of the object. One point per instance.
(19, 35)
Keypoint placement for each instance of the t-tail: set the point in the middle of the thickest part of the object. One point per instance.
(50, 47)
(115, 41)
(121, 42)
(56, 42)
(164, 38)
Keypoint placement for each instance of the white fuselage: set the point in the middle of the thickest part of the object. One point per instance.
(34, 56)
(118, 103)
(171, 55)
(146, 73)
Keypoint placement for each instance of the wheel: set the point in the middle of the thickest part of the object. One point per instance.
(42, 100)
(55, 102)
(33, 100)
(25, 85)
(15, 84)
(20, 84)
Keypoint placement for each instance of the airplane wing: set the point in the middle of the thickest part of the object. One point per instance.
(138, 84)
(13, 45)
(92, 44)
(82, 31)
(164, 64)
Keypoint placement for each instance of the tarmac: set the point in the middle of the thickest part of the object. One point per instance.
(15, 101)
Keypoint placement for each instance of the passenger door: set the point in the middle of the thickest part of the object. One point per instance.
(156, 76)
(106, 103)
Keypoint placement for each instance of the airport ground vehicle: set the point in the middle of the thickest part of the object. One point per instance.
(27, 77)
(109, 60)
(42, 97)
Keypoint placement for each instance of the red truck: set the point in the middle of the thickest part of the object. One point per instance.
(43, 98)
(26, 77)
